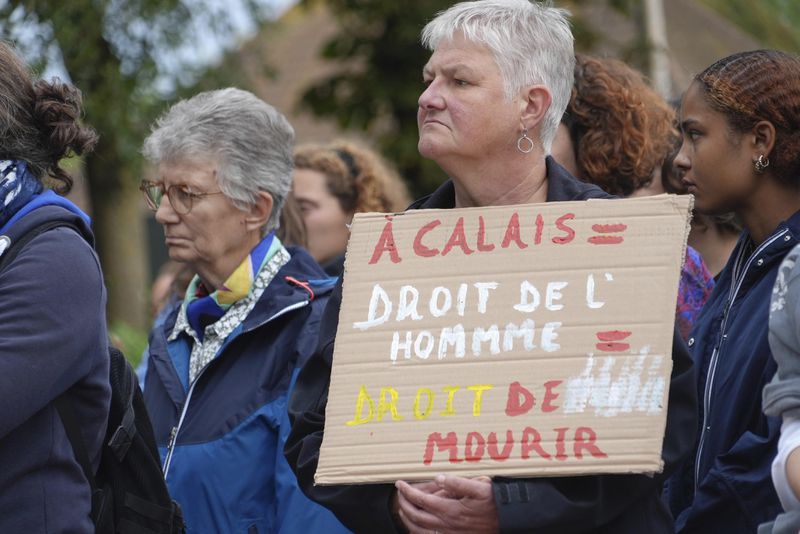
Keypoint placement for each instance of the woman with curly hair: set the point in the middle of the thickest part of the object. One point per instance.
(616, 133)
(53, 338)
(617, 130)
(332, 183)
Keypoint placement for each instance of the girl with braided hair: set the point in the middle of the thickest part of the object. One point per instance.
(740, 121)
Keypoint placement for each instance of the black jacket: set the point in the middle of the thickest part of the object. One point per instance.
(608, 503)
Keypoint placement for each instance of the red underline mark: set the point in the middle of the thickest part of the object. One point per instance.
(607, 229)
(613, 335)
(605, 240)
(610, 338)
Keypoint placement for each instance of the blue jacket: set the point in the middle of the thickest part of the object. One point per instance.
(727, 485)
(227, 469)
(52, 339)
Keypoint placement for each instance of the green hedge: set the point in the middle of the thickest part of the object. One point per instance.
(131, 341)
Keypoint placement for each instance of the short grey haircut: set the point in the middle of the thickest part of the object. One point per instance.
(531, 42)
(250, 141)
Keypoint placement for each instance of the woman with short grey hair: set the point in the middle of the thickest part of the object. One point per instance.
(221, 363)
(497, 82)
(251, 141)
(531, 45)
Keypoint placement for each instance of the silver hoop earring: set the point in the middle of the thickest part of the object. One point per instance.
(521, 142)
(761, 164)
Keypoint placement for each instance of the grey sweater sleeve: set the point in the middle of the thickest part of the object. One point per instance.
(782, 395)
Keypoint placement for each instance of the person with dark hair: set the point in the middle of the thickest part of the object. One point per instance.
(332, 183)
(496, 85)
(616, 133)
(53, 338)
(222, 362)
(740, 120)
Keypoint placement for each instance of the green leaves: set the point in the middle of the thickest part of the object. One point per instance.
(377, 81)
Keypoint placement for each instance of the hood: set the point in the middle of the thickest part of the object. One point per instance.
(44, 208)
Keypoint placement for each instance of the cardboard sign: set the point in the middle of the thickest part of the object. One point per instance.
(528, 340)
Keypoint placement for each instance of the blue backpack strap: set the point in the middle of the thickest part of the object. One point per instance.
(11, 244)
(34, 223)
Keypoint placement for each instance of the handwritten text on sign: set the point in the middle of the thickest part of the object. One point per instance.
(524, 340)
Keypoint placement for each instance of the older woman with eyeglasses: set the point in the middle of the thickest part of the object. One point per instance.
(222, 363)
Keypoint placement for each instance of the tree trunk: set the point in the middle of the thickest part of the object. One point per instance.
(659, 49)
(119, 229)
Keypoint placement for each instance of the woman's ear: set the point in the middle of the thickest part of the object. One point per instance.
(536, 100)
(259, 213)
(764, 138)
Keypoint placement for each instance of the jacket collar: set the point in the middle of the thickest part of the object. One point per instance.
(561, 186)
(300, 280)
(763, 258)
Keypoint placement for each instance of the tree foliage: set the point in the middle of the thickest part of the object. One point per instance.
(129, 58)
(776, 23)
(379, 78)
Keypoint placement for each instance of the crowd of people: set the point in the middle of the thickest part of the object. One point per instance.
(236, 374)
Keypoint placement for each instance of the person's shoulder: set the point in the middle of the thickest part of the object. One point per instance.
(562, 186)
(585, 191)
(56, 277)
(57, 237)
(785, 288)
(59, 253)
(302, 264)
(444, 197)
(303, 271)
(791, 263)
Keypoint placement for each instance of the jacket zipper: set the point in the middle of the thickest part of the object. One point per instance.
(735, 287)
(173, 435)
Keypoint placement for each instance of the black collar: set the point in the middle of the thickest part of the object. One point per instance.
(561, 186)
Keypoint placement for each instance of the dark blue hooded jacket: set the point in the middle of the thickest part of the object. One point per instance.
(52, 339)
(726, 486)
(227, 468)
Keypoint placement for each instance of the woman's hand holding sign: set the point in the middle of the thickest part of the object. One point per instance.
(448, 504)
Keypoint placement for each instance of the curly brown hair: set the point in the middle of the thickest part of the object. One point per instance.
(620, 128)
(40, 120)
(760, 85)
(358, 177)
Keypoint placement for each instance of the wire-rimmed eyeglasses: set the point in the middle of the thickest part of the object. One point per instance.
(181, 197)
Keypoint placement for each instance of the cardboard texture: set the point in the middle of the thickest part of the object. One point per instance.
(528, 340)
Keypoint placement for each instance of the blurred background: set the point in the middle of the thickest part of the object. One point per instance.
(335, 68)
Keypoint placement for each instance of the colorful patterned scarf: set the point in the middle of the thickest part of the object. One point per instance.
(204, 308)
(17, 186)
